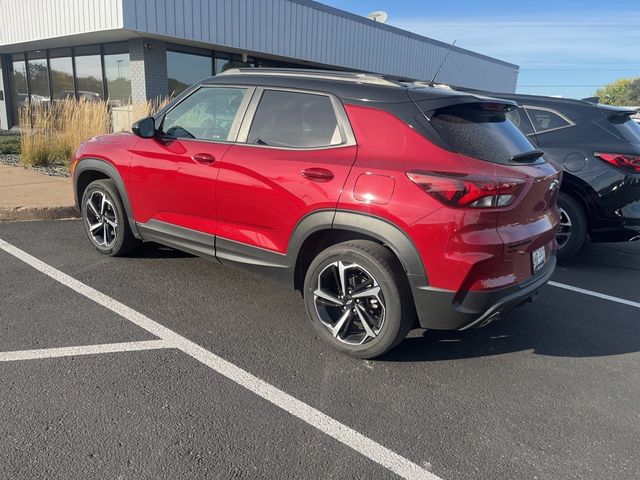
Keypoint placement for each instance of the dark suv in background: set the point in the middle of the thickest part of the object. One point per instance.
(598, 148)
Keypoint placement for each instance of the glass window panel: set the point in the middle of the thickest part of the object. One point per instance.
(38, 79)
(288, 119)
(544, 119)
(89, 77)
(87, 50)
(61, 78)
(206, 114)
(118, 75)
(18, 85)
(60, 52)
(112, 48)
(184, 69)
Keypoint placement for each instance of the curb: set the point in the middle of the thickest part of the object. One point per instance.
(37, 213)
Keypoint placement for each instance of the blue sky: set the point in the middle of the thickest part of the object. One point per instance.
(567, 48)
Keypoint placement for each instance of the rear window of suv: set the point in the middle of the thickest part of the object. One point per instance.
(626, 127)
(473, 130)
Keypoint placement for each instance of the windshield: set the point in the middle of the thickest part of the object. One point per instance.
(473, 130)
(629, 129)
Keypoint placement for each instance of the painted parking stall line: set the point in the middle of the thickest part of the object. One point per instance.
(43, 353)
(591, 293)
(362, 444)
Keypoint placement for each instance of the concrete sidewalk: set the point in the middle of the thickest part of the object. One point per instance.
(28, 195)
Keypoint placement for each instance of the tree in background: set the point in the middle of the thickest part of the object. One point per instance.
(625, 92)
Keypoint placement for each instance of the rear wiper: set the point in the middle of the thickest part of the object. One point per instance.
(529, 156)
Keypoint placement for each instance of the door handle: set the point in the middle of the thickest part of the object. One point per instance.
(203, 158)
(317, 174)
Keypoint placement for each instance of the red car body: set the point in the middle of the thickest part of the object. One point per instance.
(266, 209)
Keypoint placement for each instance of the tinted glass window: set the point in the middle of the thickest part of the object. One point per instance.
(116, 71)
(88, 76)
(544, 120)
(207, 114)
(519, 118)
(185, 69)
(629, 129)
(19, 85)
(298, 120)
(61, 74)
(485, 134)
(38, 77)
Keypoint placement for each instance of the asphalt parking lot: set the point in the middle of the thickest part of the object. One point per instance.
(187, 369)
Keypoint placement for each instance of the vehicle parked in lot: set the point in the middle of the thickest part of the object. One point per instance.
(384, 204)
(598, 148)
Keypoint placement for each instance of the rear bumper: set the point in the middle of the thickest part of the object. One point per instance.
(446, 310)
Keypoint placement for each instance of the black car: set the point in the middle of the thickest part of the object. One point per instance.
(598, 149)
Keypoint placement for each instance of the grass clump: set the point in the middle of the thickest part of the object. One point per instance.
(9, 144)
(49, 134)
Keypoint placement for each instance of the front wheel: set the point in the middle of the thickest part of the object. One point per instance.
(358, 298)
(105, 219)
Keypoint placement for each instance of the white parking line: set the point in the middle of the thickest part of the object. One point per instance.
(603, 296)
(351, 438)
(83, 350)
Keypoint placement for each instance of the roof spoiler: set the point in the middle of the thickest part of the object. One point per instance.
(592, 99)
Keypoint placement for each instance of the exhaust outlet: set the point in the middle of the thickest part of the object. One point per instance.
(634, 239)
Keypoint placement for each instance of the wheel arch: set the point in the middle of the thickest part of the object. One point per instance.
(578, 190)
(320, 230)
(90, 169)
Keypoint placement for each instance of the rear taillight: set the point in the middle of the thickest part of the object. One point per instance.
(624, 161)
(470, 191)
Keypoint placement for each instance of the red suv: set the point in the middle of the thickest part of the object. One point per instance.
(386, 204)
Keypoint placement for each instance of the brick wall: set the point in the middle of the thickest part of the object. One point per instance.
(148, 63)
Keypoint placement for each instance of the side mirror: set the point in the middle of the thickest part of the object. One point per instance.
(145, 128)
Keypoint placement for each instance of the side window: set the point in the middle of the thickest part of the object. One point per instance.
(519, 118)
(207, 114)
(544, 119)
(295, 120)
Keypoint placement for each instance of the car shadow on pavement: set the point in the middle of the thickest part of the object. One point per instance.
(625, 255)
(154, 250)
(557, 335)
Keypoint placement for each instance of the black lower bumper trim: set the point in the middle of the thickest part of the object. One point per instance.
(447, 310)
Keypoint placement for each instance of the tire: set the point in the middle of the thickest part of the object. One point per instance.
(111, 234)
(572, 231)
(381, 298)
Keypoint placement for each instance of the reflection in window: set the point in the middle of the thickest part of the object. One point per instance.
(18, 85)
(288, 119)
(185, 69)
(38, 77)
(61, 74)
(117, 73)
(89, 73)
(207, 114)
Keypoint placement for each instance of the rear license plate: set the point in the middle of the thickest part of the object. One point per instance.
(538, 257)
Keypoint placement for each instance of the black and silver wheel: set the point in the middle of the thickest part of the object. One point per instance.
(105, 219)
(358, 299)
(572, 229)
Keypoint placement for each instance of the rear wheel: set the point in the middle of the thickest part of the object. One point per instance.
(572, 230)
(105, 219)
(358, 298)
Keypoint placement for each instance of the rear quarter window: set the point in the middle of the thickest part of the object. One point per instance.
(545, 119)
(626, 127)
(489, 135)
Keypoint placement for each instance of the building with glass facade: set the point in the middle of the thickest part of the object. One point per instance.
(131, 50)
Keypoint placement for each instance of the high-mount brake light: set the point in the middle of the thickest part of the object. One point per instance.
(469, 191)
(624, 161)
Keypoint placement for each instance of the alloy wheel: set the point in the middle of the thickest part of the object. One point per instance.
(564, 229)
(349, 303)
(102, 220)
